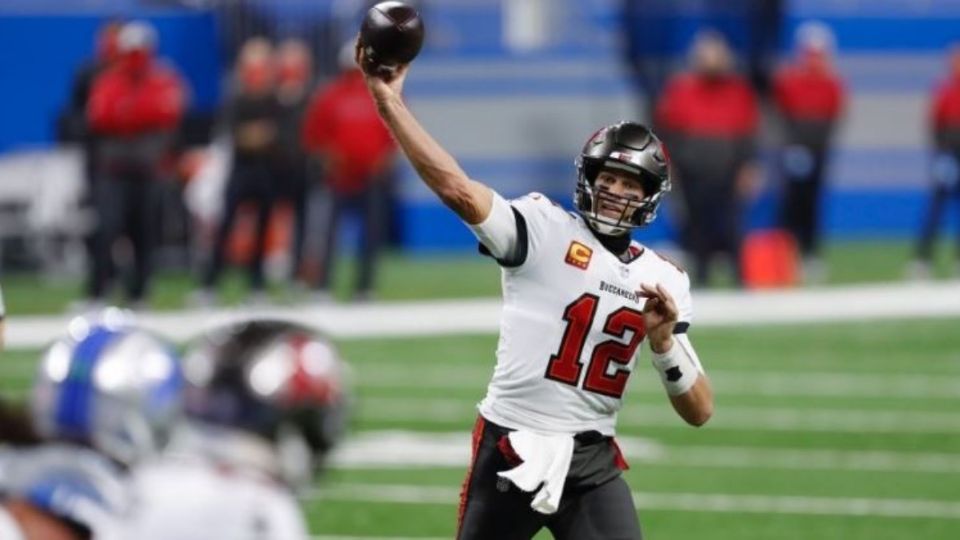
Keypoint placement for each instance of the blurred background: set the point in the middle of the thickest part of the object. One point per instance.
(815, 147)
(860, 171)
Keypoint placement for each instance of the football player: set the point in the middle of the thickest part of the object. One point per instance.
(105, 396)
(264, 403)
(579, 298)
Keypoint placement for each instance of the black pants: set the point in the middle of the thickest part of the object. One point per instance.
(800, 207)
(596, 502)
(294, 183)
(942, 193)
(250, 182)
(713, 223)
(369, 206)
(88, 204)
(126, 206)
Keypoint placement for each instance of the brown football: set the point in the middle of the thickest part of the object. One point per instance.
(391, 35)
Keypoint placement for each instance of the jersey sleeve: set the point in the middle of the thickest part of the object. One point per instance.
(540, 218)
(499, 233)
(532, 216)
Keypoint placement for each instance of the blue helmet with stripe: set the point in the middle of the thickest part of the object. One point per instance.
(109, 385)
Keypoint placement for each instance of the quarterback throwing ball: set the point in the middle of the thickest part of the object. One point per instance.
(580, 297)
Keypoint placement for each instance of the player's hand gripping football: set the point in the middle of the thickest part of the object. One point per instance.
(382, 87)
(659, 315)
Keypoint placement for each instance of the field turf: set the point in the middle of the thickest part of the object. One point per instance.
(840, 431)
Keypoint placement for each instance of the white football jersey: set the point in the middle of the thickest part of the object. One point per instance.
(193, 499)
(572, 324)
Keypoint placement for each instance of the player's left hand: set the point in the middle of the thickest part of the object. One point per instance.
(659, 315)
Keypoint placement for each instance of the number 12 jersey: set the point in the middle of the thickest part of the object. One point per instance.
(572, 323)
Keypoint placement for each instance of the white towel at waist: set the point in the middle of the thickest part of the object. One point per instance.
(546, 460)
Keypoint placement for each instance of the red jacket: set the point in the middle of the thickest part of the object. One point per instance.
(127, 103)
(807, 94)
(693, 105)
(945, 109)
(342, 124)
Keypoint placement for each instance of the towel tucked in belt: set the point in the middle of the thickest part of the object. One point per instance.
(546, 460)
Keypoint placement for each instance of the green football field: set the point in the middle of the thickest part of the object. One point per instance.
(841, 431)
(404, 277)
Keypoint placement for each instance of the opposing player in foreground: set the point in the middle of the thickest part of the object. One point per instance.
(104, 397)
(579, 298)
(264, 403)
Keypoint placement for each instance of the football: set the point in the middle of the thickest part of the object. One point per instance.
(391, 35)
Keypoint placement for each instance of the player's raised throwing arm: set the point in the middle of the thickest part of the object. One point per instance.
(470, 199)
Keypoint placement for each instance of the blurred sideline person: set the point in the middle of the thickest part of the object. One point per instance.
(134, 110)
(265, 402)
(810, 97)
(944, 121)
(252, 118)
(650, 29)
(74, 127)
(294, 76)
(346, 137)
(709, 118)
(105, 396)
(579, 298)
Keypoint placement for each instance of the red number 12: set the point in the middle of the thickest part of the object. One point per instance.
(565, 366)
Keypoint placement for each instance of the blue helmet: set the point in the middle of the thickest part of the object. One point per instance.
(108, 385)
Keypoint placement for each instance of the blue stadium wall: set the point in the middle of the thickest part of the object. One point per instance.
(517, 119)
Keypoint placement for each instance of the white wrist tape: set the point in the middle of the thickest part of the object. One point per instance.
(678, 367)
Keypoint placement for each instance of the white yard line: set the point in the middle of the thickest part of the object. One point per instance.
(754, 418)
(437, 317)
(412, 450)
(692, 502)
(726, 382)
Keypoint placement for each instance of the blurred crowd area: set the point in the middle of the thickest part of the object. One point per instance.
(260, 177)
(203, 134)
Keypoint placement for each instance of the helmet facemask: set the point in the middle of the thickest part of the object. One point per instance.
(634, 213)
